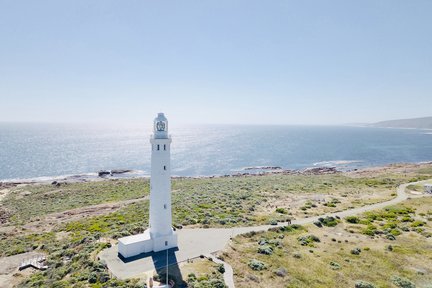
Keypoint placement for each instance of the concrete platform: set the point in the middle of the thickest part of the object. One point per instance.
(191, 244)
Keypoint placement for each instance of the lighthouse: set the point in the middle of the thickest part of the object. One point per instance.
(161, 230)
(160, 234)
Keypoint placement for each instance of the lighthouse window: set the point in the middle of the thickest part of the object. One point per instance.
(164, 146)
(164, 167)
(164, 206)
(166, 243)
(158, 147)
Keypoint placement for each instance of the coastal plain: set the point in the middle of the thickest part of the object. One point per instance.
(71, 223)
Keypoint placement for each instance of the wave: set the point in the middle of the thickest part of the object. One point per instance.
(75, 177)
(336, 162)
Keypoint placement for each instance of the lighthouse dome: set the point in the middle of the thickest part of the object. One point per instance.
(160, 127)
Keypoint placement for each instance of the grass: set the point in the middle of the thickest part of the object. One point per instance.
(205, 202)
(415, 187)
(226, 202)
(329, 262)
(32, 201)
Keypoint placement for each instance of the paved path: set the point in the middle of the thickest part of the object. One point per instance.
(195, 242)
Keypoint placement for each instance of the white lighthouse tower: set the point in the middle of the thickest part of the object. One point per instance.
(161, 230)
(160, 235)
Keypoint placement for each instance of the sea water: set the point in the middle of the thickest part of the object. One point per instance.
(37, 150)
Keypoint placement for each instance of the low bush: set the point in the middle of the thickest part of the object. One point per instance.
(257, 265)
(363, 284)
(265, 249)
(281, 272)
(417, 223)
(308, 239)
(402, 282)
(281, 210)
(356, 251)
(335, 265)
(329, 221)
(352, 219)
(390, 237)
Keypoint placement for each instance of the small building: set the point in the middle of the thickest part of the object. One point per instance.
(428, 188)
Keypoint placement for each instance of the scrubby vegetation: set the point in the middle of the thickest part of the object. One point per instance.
(72, 262)
(71, 245)
(347, 258)
(32, 201)
(391, 222)
(225, 201)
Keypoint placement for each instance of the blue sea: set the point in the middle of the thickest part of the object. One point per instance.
(45, 150)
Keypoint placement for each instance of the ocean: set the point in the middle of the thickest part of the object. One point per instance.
(46, 150)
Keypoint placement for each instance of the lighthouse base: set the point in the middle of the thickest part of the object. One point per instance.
(135, 245)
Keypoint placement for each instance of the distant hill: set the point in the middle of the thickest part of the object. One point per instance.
(419, 123)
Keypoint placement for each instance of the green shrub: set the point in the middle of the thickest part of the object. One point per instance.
(395, 232)
(417, 223)
(335, 265)
(221, 268)
(308, 239)
(363, 284)
(390, 237)
(266, 250)
(329, 221)
(356, 251)
(273, 222)
(352, 219)
(281, 210)
(370, 230)
(257, 265)
(93, 277)
(402, 282)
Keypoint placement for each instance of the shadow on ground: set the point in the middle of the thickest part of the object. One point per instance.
(162, 260)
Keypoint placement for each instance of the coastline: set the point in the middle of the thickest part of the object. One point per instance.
(106, 175)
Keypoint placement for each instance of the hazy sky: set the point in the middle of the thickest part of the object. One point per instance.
(270, 62)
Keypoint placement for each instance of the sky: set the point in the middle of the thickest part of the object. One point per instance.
(216, 61)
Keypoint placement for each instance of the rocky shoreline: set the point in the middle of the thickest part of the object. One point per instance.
(128, 174)
(116, 174)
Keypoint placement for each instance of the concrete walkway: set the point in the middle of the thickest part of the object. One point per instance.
(195, 242)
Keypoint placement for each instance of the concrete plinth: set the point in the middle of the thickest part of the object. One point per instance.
(134, 245)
